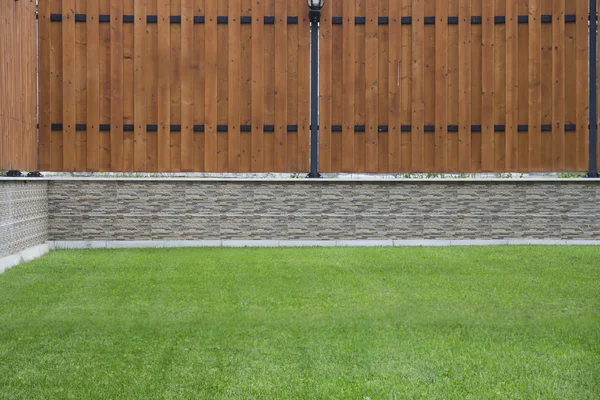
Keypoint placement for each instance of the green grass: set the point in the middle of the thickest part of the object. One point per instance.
(348, 323)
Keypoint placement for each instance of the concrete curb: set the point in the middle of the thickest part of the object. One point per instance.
(110, 244)
(25, 256)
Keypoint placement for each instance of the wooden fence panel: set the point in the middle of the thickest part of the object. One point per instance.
(457, 86)
(223, 86)
(18, 134)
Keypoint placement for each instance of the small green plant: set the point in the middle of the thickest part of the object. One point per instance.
(505, 175)
(570, 175)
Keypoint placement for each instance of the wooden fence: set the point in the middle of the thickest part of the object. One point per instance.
(174, 85)
(223, 85)
(18, 134)
(454, 85)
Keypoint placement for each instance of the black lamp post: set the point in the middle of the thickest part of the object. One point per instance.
(315, 16)
(593, 140)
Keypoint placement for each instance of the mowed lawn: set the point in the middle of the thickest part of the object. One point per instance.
(303, 323)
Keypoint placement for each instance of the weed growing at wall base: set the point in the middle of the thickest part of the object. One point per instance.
(347, 323)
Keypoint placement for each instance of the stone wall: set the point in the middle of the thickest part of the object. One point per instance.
(23, 215)
(323, 210)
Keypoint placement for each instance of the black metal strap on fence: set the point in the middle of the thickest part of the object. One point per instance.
(336, 20)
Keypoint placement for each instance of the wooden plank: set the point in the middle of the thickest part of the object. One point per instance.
(348, 80)
(93, 87)
(558, 85)
(464, 85)
(304, 89)
(116, 86)
(187, 85)
(45, 153)
(292, 88)
(394, 80)
(175, 88)
(360, 90)
(199, 88)
(476, 88)
(383, 88)
(372, 84)
(325, 88)
(512, 86)
(281, 88)
(406, 89)
(441, 86)
(500, 89)
(233, 136)
(453, 88)
(258, 94)
(546, 87)
(418, 94)
(164, 86)
(68, 83)
(488, 87)
(429, 99)
(128, 87)
(246, 89)
(139, 114)
(222, 88)
(535, 88)
(582, 85)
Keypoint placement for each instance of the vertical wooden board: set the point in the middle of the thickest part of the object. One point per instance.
(187, 85)
(258, 88)
(68, 84)
(175, 88)
(80, 88)
(128, 87)
(524, 106)
(211, 90)
(429, 100)
(372, 85)
(325, 87)
(93, 87)
(406, 90)
(164, 85)
(441, 86)
(464, 86)
(281, 89)
(394, 81)
(151, 83)
(292, 89)
(233, 134)
(487, 86)
(269, 82)
(582, 85)
(453, 87)
(546, 87)
(105, 87)
(558, 85)
(383, 89)
(571, 89)
(360, 89)
(349, 83)
(535, 86)
(418, 77)
(512, 86)
(116, 86)
(476, 88)
(45, 153)
(139, 81)
(199, 64)
(337, 90)
(246, 89)
(304, 88)
(500, 89)
(222, 87)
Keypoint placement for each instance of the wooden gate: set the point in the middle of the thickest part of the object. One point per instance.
(223, 85)
(174, 85)
(454, 86)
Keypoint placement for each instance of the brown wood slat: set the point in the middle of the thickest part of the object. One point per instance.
(441, 86)
(140, 91)
(394, 81)
(464, 84)
(68, 84)
(258, 45)
(535, 87)
(500, 89)
(348, 81)
(582, 100)
(372, 85)
(164, 86)
(187, 85)
(325, 88)
(281, 85)
(303, 89)
(116, 86)
(512, 86)
(234, 119)
(360, 86)
(488, 87)
(383, 88)
(558, 85)
(45, 151)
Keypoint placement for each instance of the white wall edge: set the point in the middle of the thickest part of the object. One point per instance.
(133, 244)
(24, 256)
